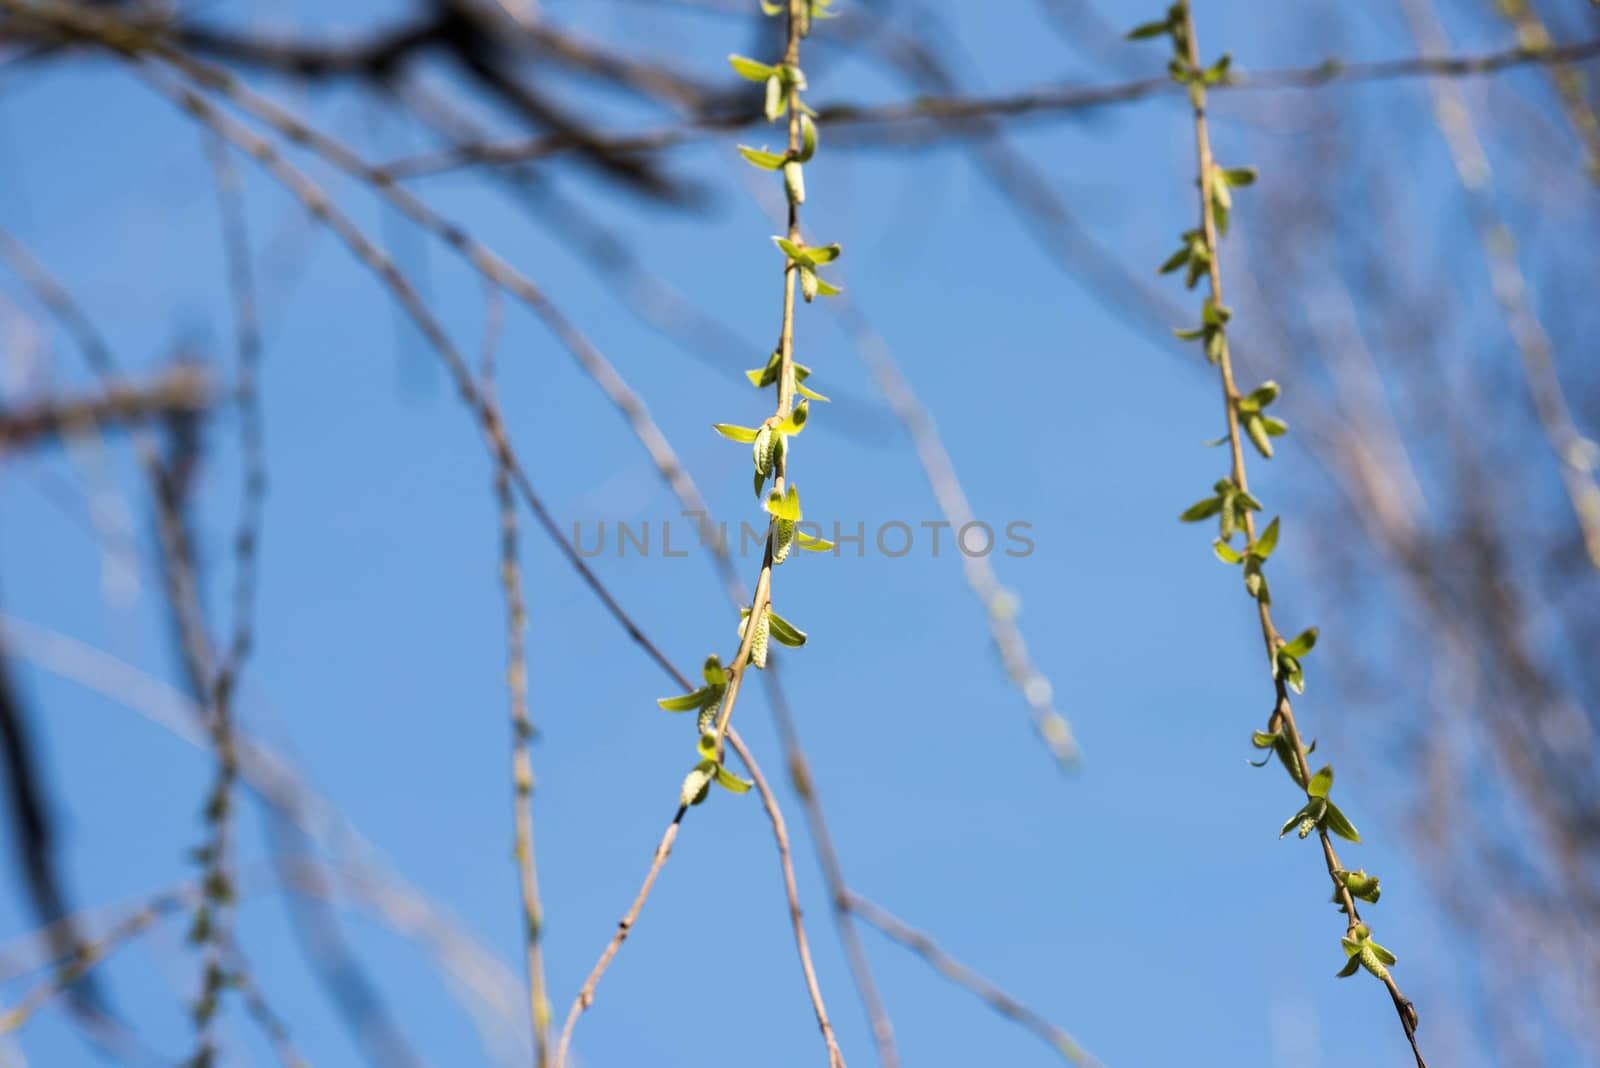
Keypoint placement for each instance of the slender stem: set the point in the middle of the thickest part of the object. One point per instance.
(1283, 711)
(935, 117)
(522, 730)
(780, 834)
(585, 996)
(997, 999)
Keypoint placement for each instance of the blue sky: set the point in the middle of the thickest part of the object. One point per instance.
(1143, 903)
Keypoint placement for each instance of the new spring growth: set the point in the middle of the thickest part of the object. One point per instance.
(1233, 507)
(705, 701)
(1363, 952)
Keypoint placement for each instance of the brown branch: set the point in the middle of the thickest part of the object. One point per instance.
(182, 391)
(929, 117)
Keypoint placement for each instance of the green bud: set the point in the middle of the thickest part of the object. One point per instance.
(775, 101)
(1370, 961)
(782, 540)
(758, 642)
(695, 786)
(761, 450)
(794, 182)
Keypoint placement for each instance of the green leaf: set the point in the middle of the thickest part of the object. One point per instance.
(1226, 553)
(805, 391)
(786, 506)
(761, 377)
(1383, 954)
(812, 542)
(1274, 426)
(824, 254)
(1147, 30)
(1294, 821)
(688, 702)
(795, 252)
(1321, 782)
(743, 434)
(808, 139)
(826, 289)
(796, 421)
(713, 671)
(1267, 542)
(1361, 885)
(729, 781)
(1190, 335)
(1350, 968)
(1337, 823)
(1174, 261)
(1302, 644)
(1199, 510)
(785, 632)
(1259, 397)
(1239, 177)
(1263, 739)
(1258, 435)
(767, 161)
(1286, 757)
(750, 70)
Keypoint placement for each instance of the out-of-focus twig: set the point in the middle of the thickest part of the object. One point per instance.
(999, 604)
(928, 118)
(946, 965)
(1577, 456)
(180, 391)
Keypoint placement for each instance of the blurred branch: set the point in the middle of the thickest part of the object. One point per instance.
(181, 391)
(927, 117)
(1571, 86)
(1577, 456)
(958, 973)
(998, 603)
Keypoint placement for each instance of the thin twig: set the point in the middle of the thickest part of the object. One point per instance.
(87, 956)
(522, 730)
(997, 999)
(1577, 456)
(932, 115)
(998, 603)
(179, 392)
(585, 996)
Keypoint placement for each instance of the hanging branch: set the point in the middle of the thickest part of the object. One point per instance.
(1233, 506)
(522, 730)
(759, 626)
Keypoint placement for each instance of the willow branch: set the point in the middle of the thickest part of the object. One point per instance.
(1283, 716)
